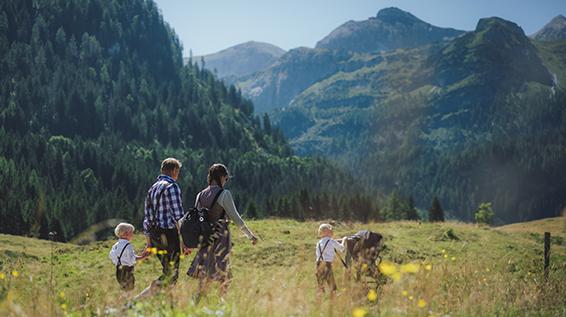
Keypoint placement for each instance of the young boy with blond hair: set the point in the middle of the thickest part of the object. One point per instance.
(123, 256)
(325, 249)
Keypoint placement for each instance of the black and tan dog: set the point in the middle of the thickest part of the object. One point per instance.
(362, 253)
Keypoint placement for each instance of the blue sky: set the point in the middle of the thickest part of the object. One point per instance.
(207, 26)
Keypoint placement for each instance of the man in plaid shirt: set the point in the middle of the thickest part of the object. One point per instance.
(163, 209)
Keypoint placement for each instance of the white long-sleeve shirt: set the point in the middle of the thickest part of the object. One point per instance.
(128, 257)
(328, 251)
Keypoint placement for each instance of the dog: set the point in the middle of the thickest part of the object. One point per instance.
(362, 253)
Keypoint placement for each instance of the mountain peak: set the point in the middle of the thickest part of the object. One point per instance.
(242, 59)
(486, 24)
(393, 15)
(498, 50)
(390, 29)
(558, 18)
(554, 30)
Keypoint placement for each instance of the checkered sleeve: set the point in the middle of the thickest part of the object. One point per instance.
(175, 202)
(147, 214)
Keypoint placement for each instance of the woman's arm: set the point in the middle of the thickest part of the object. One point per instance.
(227, 202)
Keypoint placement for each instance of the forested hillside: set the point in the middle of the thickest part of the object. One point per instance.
(93, 95)
(478, 119)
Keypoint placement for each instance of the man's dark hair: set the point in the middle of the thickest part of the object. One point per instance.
(216, 172)
(169, 165)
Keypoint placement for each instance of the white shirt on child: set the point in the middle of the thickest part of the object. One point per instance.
(328, 252)
(128, 257)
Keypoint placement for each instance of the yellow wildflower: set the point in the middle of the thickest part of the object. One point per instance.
(404, 293)
(15, 273)
(64, 306)
(182, 256)
(359, 312)
(364, 267)
(372, 295)
(62, 294)
(529, 273)
(162, 252)
(411, 297)
(387, 268)
(453, 258)
(396, 276)
(2, 276)
(446, 256)
(443, 251)
(153, 251)
(421, 303)
(428, 267)
(410, 268)
(487, 269)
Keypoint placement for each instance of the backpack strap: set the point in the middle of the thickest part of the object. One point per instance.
(320, 258)
(122, 253)
(216, 197)
(156, 207)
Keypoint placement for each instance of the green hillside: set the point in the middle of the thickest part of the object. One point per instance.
(556, 226)
(94, 94)
(474, 271)
(471, 120)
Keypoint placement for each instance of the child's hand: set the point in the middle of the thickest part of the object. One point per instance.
(254, 240)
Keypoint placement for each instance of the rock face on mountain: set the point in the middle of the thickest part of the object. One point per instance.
(298, 69)
(242, 59)
(341, 51)
(392, 28)
(555, 30)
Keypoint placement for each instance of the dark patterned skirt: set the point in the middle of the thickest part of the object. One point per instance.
(213, 261)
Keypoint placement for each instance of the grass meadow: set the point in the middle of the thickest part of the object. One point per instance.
(441, 269)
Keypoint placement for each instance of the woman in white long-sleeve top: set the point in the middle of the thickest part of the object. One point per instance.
(212, 262)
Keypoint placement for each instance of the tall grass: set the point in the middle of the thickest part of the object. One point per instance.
(463, 270)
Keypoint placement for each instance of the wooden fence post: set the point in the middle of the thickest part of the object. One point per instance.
(546, 254)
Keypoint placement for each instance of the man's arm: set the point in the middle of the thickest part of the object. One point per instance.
(174, 195)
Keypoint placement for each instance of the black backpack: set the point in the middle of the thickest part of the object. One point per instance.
(197, 229)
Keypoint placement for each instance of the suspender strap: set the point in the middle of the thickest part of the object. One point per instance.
(320, 258)
(341, 260)
(121, 253)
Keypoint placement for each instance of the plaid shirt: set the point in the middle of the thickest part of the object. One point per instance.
(170, 205)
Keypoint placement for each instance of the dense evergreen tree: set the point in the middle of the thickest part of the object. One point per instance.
(435, 213)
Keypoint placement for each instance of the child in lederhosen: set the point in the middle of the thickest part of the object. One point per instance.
(325, 249)
(123, 256)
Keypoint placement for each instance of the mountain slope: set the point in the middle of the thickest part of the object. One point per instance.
(242, 59)
(392, 28)
(93, 95)
(293, 72)
(460, 120)
(300, 68)
(555, 30)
